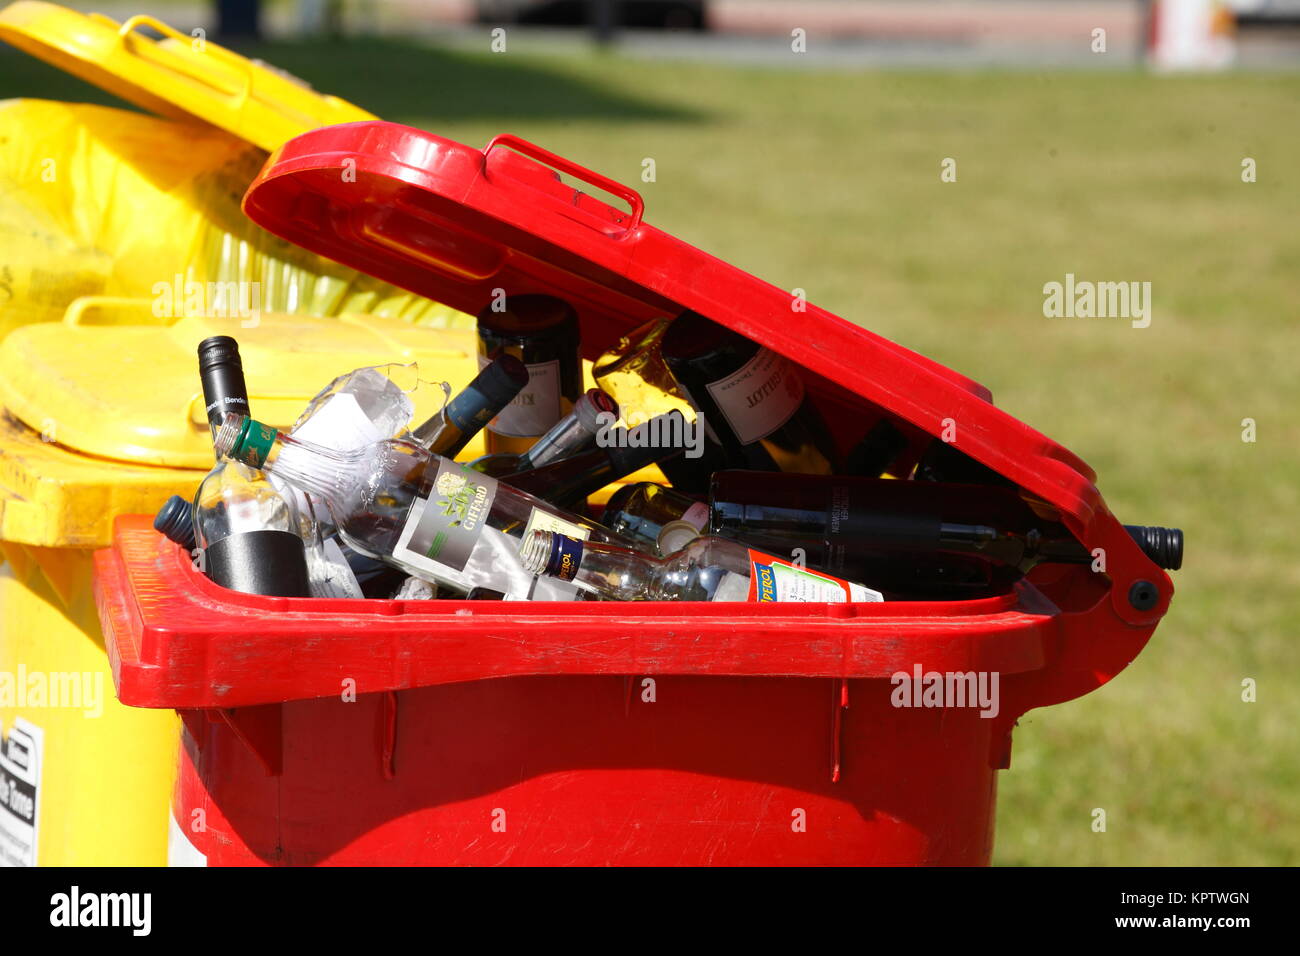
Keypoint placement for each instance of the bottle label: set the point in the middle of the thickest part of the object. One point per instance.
(564, 558)
(540, 520)
(442, 529)
(537, 406)
(772, 579)
(760, 397)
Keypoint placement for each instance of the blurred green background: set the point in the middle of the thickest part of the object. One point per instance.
(829, 181)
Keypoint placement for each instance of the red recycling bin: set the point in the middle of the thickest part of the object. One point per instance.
(470, 732)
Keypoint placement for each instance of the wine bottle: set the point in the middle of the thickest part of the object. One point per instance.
(572, 434)
(565, 483)
(542, 332)
(400, 503)
(906, 537)
(752, 399)
(634, 373)
(249, 536)
(495, 387)
(707, 569)
(658, 518)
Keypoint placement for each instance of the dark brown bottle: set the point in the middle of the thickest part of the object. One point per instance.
(542, 332)
(907, 538)
(752, 399)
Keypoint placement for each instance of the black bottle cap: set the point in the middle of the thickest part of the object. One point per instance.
(176, 521)
(218, 350)
(222, 373)
(1164, 546)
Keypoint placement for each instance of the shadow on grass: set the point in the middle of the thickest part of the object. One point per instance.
(397, 80)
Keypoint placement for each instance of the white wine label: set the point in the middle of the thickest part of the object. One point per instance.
(21, 753)
(760, 397)
(536, 408)
(442, 529)
(543, 521)
(772, 579)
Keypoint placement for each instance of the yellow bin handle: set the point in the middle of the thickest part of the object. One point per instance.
(241, 64)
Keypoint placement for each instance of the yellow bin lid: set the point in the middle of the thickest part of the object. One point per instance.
(113, 382)
(179, 76)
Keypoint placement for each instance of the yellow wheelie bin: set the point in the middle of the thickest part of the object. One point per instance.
(101, 213)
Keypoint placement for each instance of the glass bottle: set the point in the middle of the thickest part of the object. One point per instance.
(495, 387)
(635, 374)
(656, 517)
(565, 483)
(572, 434)
(400, 503)
(542, 332)
(249, 537)
(707, 569)
(752, 400)
(906, 537)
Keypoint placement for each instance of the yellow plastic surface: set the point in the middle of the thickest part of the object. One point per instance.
(131, 393)
(105, 202)
(106, 769)
(181, 76)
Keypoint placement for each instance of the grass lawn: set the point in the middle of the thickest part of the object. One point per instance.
(830, 182)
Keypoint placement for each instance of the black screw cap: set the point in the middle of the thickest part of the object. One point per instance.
(176, 521)
(1164, 546)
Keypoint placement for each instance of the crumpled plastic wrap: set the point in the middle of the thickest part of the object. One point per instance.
(101, 201)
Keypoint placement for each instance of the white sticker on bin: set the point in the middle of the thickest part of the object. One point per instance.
(21, 755)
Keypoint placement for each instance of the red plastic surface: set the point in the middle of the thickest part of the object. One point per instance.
(554, 770)
(467, 708)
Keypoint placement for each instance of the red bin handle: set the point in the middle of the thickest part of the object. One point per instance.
(545, 156)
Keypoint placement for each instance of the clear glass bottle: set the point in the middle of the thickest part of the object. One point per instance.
(249, 537)
(657, 517)
(707, 569)
(398, 502)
